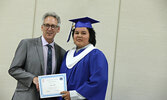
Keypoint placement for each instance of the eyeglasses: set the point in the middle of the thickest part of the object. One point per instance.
(48, 26)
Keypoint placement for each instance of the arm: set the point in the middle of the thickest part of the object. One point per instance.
(17, 70)
(95, 87)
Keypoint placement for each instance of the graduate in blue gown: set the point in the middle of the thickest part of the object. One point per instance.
(86, 66)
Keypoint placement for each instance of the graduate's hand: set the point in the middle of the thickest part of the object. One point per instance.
(66, 95)
(35, 81)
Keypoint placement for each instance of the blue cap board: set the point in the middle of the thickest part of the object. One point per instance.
(82, 22)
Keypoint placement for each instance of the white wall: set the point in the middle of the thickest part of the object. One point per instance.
(131, 33)
(16, 22)
(141, 58)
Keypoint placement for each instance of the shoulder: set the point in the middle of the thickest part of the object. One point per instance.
(59, 48)
(28, 40)
(97, 52)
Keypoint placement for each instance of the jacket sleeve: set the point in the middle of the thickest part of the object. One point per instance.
(16, 69)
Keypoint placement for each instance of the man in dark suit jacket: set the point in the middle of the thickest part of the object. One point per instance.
(30, 59)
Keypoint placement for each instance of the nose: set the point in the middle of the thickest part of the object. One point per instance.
(50, 28)
(79, 35)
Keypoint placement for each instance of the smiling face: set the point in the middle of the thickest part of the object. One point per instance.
(50, 28)
(81, 37)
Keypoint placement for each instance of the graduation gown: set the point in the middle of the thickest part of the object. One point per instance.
(89, 76)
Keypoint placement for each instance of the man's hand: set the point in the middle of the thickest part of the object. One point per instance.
(66, 95)
(35, 81)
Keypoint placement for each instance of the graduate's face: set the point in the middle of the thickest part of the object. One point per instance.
(81, 37)
(50, 28)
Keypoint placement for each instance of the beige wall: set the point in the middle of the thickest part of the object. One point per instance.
(16, 22)
(131, 35)
(141, 57)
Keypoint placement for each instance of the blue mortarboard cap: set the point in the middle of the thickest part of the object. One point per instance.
(82, 22)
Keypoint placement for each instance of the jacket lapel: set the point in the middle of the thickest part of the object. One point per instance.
(40, 52)
(56, 58)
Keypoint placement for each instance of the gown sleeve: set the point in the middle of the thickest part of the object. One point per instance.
(95, 87)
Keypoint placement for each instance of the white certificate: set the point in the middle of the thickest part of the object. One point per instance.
(52, 85)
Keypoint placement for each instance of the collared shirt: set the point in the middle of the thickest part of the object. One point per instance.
(82, 47)
(45, 53)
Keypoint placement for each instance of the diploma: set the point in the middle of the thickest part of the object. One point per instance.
(52, 85)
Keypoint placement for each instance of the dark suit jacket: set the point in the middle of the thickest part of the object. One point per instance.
(28, 62)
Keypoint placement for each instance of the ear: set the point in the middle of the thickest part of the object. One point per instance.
(58, 29)
(42, 27)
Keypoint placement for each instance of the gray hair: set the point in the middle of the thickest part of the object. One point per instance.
(52, 14)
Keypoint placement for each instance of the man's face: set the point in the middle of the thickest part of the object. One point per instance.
(50, 28)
